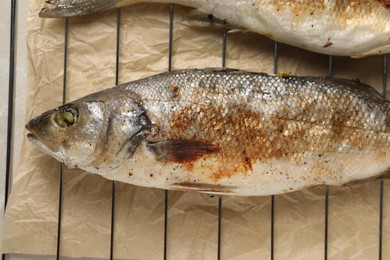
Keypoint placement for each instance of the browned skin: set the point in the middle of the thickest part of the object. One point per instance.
(198, 128)
(385, 3)
(243, 139)
(345, 7)
(343, 11)
(322, 123)
(65, 8)
(354, 28)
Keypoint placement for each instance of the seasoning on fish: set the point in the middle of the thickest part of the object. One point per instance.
(346, 28)
(223, 131)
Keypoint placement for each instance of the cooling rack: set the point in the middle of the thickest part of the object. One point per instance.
(220, 243)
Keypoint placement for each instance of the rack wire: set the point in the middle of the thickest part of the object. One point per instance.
(166, 201)
(272, 243)
(11, 97)
(118, 26)
(10, 101)
(381, 187)
(330, 70)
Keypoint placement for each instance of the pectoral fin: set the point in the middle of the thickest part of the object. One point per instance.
(181, 151)
(197, 18)
(379, 50)
(385, 175)
(382, 176)
(204, 188)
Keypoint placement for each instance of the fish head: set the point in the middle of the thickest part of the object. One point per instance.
(97, 133)
(70, 132)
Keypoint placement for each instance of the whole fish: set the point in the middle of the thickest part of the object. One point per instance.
(223, 131)
(344, 27)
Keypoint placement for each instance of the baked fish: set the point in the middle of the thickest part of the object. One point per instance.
(223, 131)
(344, 27)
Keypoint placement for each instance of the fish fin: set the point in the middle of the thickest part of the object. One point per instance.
(284, 74)
(379, 50)
(197, 18)
(385, 175)
(68, 8)
(230, 71)
(181, 151)
(203, 188)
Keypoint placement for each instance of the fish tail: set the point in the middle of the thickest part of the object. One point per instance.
(68, 8)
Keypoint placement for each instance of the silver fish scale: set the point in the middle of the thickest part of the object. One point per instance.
(263, 117)
(310, 100)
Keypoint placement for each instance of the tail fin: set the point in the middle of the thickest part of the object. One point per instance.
(68, 8)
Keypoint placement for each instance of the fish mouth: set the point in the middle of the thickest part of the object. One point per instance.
(31, 137)
(35, 140)
(29, 127)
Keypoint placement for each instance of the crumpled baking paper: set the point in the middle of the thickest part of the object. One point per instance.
(299, 231)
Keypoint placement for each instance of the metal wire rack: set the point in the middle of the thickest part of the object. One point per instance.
(10, 104)
(166, 201)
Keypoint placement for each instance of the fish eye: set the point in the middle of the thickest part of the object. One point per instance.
(65, 117)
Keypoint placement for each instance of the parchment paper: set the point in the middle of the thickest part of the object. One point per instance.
(32, 212)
